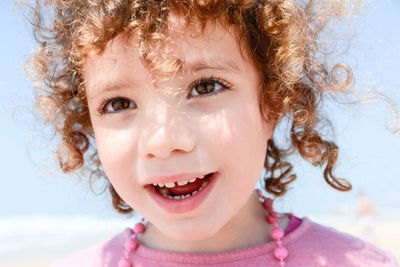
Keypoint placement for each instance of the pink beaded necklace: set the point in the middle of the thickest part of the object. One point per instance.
(280, 252)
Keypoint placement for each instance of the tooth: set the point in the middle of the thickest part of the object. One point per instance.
(169, 185)
(160, 184)
(188, 195)
(155, 184)
(192, 180)
(170, 197)
(164, 192)
(201, 177)
(194, 192)
(182, 183)
(177, 197)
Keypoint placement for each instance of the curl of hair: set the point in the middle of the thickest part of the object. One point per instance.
(281, 36)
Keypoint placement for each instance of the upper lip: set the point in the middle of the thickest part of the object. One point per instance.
(174, 178)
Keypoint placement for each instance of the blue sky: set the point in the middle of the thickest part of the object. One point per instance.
(369, 152)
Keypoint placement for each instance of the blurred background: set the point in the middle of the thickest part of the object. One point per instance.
(46, 215)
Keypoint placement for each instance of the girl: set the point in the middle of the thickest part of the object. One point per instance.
(175, 102)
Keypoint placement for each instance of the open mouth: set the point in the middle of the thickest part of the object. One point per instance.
(183, 189)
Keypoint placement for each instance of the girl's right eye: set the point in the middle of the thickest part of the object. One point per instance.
(115, 105)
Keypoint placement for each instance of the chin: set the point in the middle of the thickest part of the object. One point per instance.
(191, 232)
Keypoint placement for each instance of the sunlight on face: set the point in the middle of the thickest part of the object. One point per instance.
(210, 123)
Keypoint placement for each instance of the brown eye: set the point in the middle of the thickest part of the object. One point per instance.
(118, 104)
(206, 87)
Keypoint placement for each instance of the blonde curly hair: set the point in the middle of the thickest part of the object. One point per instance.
(281, 37)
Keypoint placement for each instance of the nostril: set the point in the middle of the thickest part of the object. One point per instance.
(166, 141)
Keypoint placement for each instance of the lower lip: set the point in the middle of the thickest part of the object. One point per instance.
(183, 205)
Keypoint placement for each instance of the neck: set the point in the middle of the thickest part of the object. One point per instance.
(247, 228)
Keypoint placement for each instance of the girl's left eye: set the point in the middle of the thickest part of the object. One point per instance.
(206, 87)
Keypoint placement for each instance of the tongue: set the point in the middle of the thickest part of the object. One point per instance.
(187, 188)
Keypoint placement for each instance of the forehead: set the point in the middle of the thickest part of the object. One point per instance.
(185, 45)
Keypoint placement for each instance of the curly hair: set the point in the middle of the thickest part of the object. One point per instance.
(281, 37)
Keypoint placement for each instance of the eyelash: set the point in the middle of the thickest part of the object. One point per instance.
(225, 85)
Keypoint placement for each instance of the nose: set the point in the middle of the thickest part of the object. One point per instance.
(165, 131)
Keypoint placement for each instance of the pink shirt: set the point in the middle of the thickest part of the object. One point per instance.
(309, 244)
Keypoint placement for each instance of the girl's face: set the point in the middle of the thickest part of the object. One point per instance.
(202, 121)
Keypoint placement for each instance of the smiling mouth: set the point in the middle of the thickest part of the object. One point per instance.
(182, 189)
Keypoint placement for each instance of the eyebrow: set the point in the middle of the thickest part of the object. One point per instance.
(109, 86)
(220, 64)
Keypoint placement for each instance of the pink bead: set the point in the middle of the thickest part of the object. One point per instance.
(131, 244)
(139, 228)
(124, 263)
(273, 214)
(272, 219)
(268, 203)
(280, 253)
(278, 243)
(277, 233)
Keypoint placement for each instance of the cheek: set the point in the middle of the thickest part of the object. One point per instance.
(250, 138)
(238, 136)
(115, 151)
